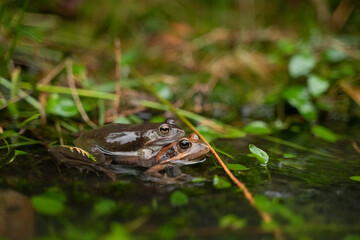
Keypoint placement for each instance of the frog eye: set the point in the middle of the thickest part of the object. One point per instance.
(184, 144)
(164, 129)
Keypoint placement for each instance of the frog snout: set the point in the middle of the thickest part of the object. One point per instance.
(180, 133)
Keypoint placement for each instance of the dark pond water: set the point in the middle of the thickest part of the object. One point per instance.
(310, 195)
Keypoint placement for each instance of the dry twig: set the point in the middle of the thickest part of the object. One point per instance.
(117, 76)
(71, 82)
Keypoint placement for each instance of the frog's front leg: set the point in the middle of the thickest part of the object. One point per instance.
(89, 146)
(154, 171)
(156, 176)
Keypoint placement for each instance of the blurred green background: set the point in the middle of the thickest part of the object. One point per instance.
(229, 60)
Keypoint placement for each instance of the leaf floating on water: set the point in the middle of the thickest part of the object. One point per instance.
(237, 167)
(220, 183)
(324, 133)
(178, 198)
(355, 178)
(260, 154)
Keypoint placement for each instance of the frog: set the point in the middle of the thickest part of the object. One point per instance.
(184, 151)
(120, 141)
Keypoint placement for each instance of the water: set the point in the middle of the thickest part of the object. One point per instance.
(311, 196)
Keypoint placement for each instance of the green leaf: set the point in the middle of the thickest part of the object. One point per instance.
(301, 65)
(298, 97)
(157, 119)
(317, 86)
(61, 106)
(257, 127)
(122, 120)
(104, 207)
(232, 221)
(178, 198)
(117, 231)
(26, 121)
(220, 183)
(237, 167)
(17, 153)
(355, 178)
(289, 155)
(208, 133)
(198, 179)
(333, 55)
(50, 202)
(233, 132)
(163, 90)
(260, 154)
(324, 133)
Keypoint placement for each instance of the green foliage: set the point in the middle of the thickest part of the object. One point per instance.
(257, 127)
(17, 153)
(117, 231)
(237, 167)
(298, 97)
(275, 208)
(324, 133)
(29, 119)
(51, 202)
(232, 221)
(289, 155)
(260, 154)
(61, 106)
(220, 183)
(317, 86)
(178, 198)
(301, 65)
(332, 55)
(104, 207)
(355, 178)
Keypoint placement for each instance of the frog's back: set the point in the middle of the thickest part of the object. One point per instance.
(116, 137)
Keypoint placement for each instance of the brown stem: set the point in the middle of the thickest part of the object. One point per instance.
(75, 95)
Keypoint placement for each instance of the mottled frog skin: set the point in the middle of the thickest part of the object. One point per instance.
(123, 141)
(186, 151)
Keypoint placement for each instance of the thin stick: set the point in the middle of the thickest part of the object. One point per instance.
(117, 76)
(52, 74)
(58, 129)
(76, 97)
(42, 100)
(264, 215)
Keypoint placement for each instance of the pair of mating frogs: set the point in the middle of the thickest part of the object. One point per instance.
(155, 146)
